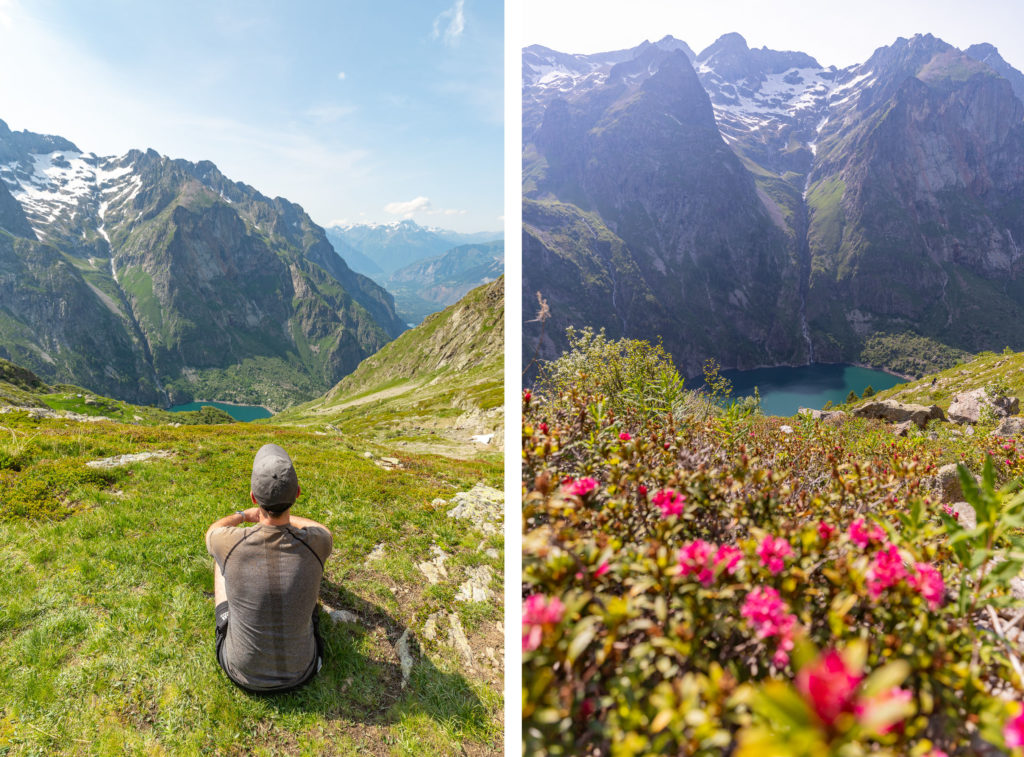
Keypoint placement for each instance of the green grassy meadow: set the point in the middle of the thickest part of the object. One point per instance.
(106, 596)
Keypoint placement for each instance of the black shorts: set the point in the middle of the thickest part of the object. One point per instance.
(221, 614)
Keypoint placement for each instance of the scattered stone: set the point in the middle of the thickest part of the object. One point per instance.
(483, 505)
(965, 514)
(368, 455)
(339, 616)
(1012, 426)
(476, 588)
(434, 569)
(897, 412)
(786, 429)
(902, 429)
(119, 460)
(492, 553)
(947, 482)
(376, 554)
(138, 417)
(969, 431)
(438, 502)
(457, 636)
(404, 656)
(430, 627)
(967, 407)
(823, 415)
(391, 461)
(482, 438)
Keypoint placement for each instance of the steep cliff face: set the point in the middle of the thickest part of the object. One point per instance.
(776, 210)
(689, 250)
(916, 207)
(173, 282)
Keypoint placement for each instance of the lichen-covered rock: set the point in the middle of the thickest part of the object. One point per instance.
(967, 407)
(947, 483)
(1012, 426)
(483, 505)
(897, 412)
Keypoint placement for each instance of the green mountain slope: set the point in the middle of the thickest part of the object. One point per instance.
(161, 281)
(434, 387)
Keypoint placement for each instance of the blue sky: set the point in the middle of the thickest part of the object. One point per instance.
(835, 33)
(357, 110)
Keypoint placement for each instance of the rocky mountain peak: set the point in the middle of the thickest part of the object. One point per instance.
(989, 55)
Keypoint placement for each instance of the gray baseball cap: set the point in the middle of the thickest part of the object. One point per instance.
(274, 483)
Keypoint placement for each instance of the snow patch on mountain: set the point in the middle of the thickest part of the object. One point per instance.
(55, 184)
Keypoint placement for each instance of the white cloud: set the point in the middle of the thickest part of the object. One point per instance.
(421, 205)
(454, 22)
(341, 75)
(327, 114)
(406, 209)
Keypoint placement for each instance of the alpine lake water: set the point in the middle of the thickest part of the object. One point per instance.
(244, 413)
(784, 390)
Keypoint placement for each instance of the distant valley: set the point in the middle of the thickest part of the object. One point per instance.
(764, 209)
(161, 281)
(426, 269)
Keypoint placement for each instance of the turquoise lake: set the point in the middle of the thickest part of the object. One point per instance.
(238, 412)
(784, 390)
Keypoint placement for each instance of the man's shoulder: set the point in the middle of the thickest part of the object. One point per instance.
(318, 538)
(219, 541)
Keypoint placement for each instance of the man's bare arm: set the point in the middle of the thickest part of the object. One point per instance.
(299, 522)
(252, 515)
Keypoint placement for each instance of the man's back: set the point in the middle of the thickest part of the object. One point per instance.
(272, 576)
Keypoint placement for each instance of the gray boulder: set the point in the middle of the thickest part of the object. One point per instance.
(947, 483)
(828, 416)
(967, 407)
(897, 412)
(1012, 426)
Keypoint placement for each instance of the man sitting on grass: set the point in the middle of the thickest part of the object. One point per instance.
(266, 583)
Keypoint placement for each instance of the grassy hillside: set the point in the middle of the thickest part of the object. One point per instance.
(987, 370)
(106, 623)
(432, 388)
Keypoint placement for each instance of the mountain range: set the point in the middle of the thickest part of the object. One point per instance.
(161, 281)
(755, 206)
(426, 268)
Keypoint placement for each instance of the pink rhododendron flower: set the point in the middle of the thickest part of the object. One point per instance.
(772, 553)
(829, 686)
(951, 512)
(862, 534)
(641, 490)
(579, 488)
(539, 611)
(543, 427)
(770, 616)
(1013, 731)
(602, 569)
(670, 502)
(695, 557)
(730, 556)
(928, 581)
(886, 570)
(826, 531)
(526, 396)
(624, 437)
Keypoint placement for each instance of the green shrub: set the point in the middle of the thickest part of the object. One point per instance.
(684, 579)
